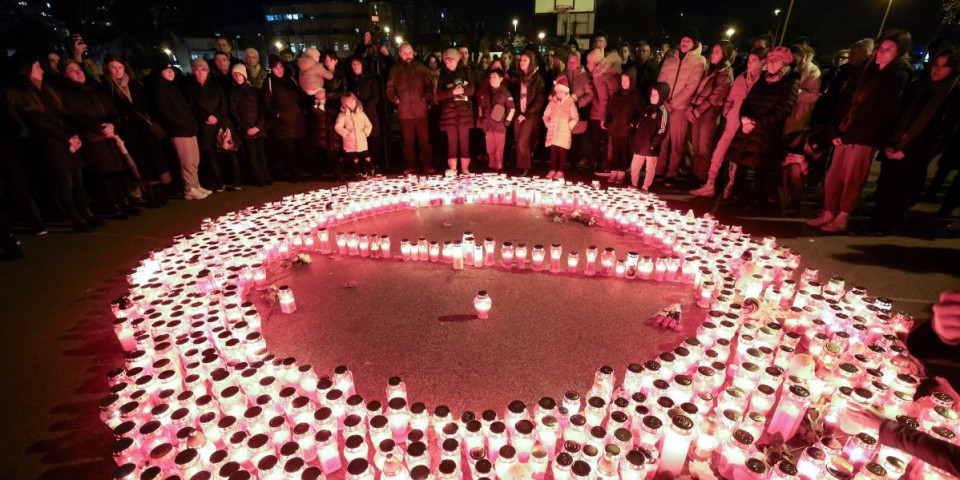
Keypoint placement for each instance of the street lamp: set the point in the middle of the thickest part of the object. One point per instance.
(730, 31)
(167, 51)
(776, 12)
(386, 29)
(515, 22)
(399, 40)
(541, 35)
(278, 44)
(884, 22)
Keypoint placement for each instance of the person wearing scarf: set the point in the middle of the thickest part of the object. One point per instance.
(759, 145)
(928, 118)
(864, 128)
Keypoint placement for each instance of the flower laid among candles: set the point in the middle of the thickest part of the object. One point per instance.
(199, 391)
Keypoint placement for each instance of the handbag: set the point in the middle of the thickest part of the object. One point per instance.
(225, 141)
(155, 128)
(497, 113)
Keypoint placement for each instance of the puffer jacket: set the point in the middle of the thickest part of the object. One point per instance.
(560, 117)
(455, 110)
(173, 110)
(87, 108)
(206, 100)
(713, 90)
(284, 103)
(652, 125)
(683, 76)
(247, 111)
(581, 86)
(623, 110)
(810, 82)
(874, 104)
(410, 88)
(768, 104)
(354, 127)
(312, 74)
(606, 82)
(486, 99)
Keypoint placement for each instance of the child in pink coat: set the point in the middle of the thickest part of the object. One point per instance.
(560, 116)
(354, 126)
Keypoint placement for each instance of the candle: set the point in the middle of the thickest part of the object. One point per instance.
(790, 411)
(341, 243)
(506, 255)
(591, 256)
(735, 453)
(478, 256)
(556, 251)
(521, 256)
(537, 256)
(607, 259)
(285, 296)
(489, 249)
(573, 259)
(457, 252)
(434, 251)
(676, 445)
(406, 250)
(482, 303)
(385, 246)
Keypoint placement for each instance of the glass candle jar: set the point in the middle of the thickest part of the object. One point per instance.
(482, 303)
(676, 445)
(735, 452)
(790, 412)
(537, 257)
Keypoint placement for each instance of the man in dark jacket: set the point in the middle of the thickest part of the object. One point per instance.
(177, 118)
(647, 67)
(864, 128)
(928, 118)
(210, 107)
(411, 90)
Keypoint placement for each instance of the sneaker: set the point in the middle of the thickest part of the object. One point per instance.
(558, 176)
(204, 191)
(195, 194)
(707, 190)
(824, 218)
(621, 175)
(602, 173)
(551, 173)
(669, 181)
(839, 224)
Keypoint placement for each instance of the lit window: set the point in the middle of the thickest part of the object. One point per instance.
(22, 3)
(346, 47)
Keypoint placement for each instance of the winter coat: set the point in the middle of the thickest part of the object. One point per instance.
(713, 90)
(312, 74)
(88, 108)
(652, 126)
(606, 82)
(410, 88)
(367, 88)
(807, 98)
(874, 104)
(247, 110)
(581, 86)
(529, 92)
(560, 117)
(769, 105)
(683, 76)
(134, 128)
(284, 104)
(738, 93)
(354, 127)
(622, 111)
(928, 118)
(173, 110)
(455, 110)
(43, 111)
(647, 75)
(206, 100)
(486, 99)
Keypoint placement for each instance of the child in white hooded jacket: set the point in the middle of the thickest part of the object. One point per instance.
(354, 126)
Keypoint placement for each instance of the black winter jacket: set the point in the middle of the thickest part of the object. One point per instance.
(173, 110)
(768, 104)
(284, 102)
(651, 130)
(42, 109)
(246, 110)
(367, 88)
(874, 104)
(622, 111)
(923, 142)
(87, 108)
(455, 110)
(206, 100)
(536, 93)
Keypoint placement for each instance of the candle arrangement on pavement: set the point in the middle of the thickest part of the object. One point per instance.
(780, 356)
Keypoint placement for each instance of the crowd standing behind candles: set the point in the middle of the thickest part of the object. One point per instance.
(781, 348)
(111, 138)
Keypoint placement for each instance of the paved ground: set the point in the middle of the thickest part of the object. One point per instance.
(57, 343)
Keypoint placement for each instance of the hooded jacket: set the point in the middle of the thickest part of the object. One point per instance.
(354, 126)
(623, 108)
(88, 108)
(652, 125)
(713, 90)
(455, 110)
(874, 104)
(581, 85)
(486, 99)
(173, 110)
(410, 88)
(560, 117)
(768, 104)
(683, 76)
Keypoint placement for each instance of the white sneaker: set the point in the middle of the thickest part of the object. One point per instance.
(839, 224)
(558, 176)
(707, 190)
(195, 194)
(824, 218)
(551, 173)
(204, 191)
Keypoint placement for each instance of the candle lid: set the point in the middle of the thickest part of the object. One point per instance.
(524, 427)
(683, 380)
(353, 441)
(638, 397)
(357, 466)
(682, 422)
(416, 449)
(635, 368)
(417, 408)
(441, 411)
(581, 468)
(756, 465)
(564, 459)
(652, 422)
(507, 451)
(547, 403)
(499, 427)
(743, 437)
(489, 415)
(378, 421)
(571, 446)
(420, 472)
(799, 391)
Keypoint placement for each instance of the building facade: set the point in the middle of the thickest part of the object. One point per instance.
(336, 25)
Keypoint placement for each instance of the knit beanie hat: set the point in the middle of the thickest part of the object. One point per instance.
(239, 68)
(782, 53)
(451, 53)
(691, 33)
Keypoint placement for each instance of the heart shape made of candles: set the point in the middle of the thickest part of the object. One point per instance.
(200, 396)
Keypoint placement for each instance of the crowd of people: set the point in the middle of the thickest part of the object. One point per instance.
(753, 129)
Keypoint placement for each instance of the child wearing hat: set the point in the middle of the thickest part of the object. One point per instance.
(560, 116)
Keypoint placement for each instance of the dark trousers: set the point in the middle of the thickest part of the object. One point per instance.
(622, 153)
(894, 191)
(558, 158)
(526, 134)
(256, 158)
(595, 146)
(113, 189)
(952, 200)
(458, 141)
(416, 130)
(15, 185)
(70, 194)
(290, 151)
(762, 188)
(215, 163)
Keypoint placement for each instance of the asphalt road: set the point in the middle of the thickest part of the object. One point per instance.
(546, 333)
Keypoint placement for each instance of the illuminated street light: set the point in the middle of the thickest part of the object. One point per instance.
(278, 44)
(776, 12)
(399, 40)
(541, 35)
(730, 31)
(386, 29)
(167, 51)
(515, 22)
